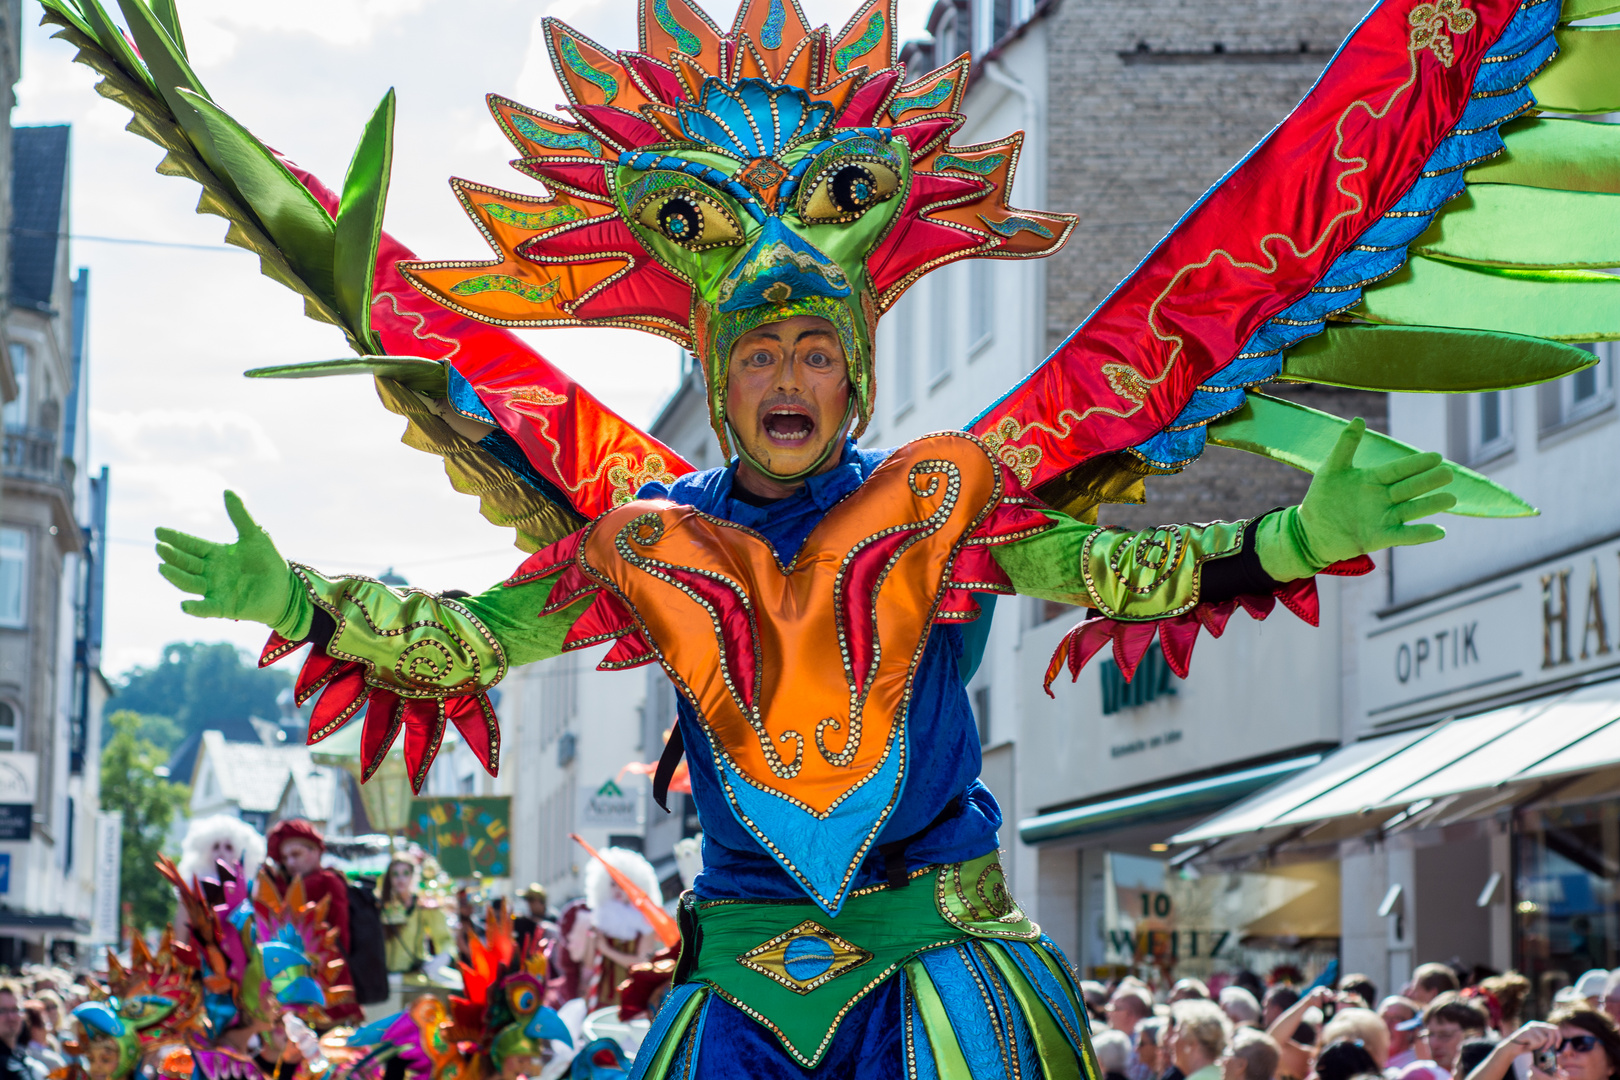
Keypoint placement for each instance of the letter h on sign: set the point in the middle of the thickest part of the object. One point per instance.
(1554, 621)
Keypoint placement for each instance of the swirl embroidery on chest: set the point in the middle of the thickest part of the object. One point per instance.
(757, 646)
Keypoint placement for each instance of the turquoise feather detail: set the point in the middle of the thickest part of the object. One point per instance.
(923, 101)
(553, 140)
(685, 40)
(579, 66)
(545, 219)
(1014, 225)
(770, 35)
(861, 45)
(982, 167)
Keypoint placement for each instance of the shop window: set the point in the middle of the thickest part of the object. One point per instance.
(9, 733)
(1152, 680)
(1566, 895)
(1163, 923)
(1480, 426)
(13, 577)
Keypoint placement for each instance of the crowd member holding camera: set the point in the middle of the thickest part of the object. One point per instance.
(1576, 1043)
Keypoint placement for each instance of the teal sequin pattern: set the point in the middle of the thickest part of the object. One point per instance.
(545, 219)
(1014, 225)
(685, 40)
(553, 140)
(770, 34)
(535, 294)
(595, 76)
(922, 101)
(983, 167)
(861, 45)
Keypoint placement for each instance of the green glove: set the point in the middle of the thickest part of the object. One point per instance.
(245, 580)
(1349, 511)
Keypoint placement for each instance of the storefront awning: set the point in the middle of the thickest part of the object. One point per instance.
(12, 921)
(1517, 745)
(1201, 796)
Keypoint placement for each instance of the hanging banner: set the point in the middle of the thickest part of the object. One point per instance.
(470, 837)
(109, 855)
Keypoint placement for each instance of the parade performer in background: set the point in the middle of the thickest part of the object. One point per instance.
(621, 937)
(209, 841)
(762, 195)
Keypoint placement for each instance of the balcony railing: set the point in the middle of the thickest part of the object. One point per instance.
(31, 454)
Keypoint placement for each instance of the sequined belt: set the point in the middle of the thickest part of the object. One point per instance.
(799, 971)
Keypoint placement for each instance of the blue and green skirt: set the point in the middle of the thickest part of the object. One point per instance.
(945, 978)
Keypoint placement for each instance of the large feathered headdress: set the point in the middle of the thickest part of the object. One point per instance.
(712, 182)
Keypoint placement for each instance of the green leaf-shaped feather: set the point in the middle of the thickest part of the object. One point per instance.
(1587, 9)
(413, 372)
(1564, 305)
(360, 218)
(1585, 78)
(1568, 155)
(1429, 359)
(1528, 227)
(289, 214)
(1303, 437)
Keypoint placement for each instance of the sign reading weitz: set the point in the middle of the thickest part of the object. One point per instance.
(1544, 623)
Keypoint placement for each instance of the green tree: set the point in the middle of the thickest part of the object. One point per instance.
(202, 685)
(129, 782)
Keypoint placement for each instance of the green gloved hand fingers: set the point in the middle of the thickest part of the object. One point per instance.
(245, 580)
(1343, 454)
(191, 545)
(1438, 503)
(203, 609)
(180, 560)
(1391, 472)
(1410, 535)
(180, 579)
(1424, 482)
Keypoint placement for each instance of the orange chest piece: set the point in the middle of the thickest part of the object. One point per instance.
(801, 674)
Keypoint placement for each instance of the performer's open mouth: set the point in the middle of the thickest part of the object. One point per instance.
(788, 425)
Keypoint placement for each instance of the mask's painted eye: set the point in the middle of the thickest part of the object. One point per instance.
(523, 1000)
(847, 189)
(689, 218)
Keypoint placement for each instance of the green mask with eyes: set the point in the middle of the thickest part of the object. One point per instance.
(762, 237)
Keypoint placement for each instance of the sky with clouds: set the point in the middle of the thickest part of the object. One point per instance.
(172, 328)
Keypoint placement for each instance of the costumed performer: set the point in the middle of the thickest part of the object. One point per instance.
(621, 937)
(209, 841)
(762, 195)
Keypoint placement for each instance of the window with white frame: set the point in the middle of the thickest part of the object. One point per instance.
(15, 413)
(904, 323)
(981, 306)
(13, 577)
(1490, 425)
(942, 320)
(10, 732)
(1586, 393)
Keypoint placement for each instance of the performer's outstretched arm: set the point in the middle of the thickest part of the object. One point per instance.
(1347, 511)
(411, 641)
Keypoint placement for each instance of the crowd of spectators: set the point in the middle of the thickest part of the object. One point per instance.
(1442, 1025)
(34, 1012)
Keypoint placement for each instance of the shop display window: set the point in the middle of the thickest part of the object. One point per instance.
(1164, 923)
(1566, 901)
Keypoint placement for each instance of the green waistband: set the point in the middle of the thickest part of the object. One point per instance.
(798, 971)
